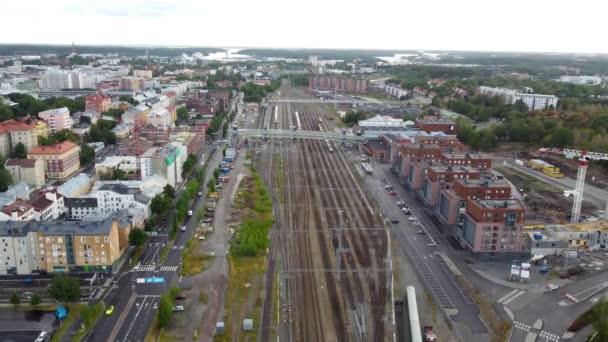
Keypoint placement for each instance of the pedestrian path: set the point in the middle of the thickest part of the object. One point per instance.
(151, 268)
(534, 331)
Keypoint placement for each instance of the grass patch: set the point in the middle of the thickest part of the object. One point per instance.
(155, 334)
(278, 172)
(73, 312)
(242, 270)
(203, 297)
(524, 181)
(164, 253)
(193, 262)
(89, 315)
(196, 335)
(499, 328)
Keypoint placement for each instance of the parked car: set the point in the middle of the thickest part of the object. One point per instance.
(412, 218)
(394, 220)
(209, 220)
(200, 193)
(392, 193)
(189, 212)
(421, 232)
(180, 297)
(209, 214)
(183, 229)
(388, 187)
(178, 308)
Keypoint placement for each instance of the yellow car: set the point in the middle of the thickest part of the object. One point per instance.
(110, 310)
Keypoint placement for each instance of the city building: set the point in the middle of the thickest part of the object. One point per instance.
(13, 133)
(57, 119)
(492, 229)
(113, 197)
(164, 162)
(55, 79)
(29, 171)
(146, 74)
(128, 164)
(60, 160)
(19, 248)
(395, 91)
(510, 96)
(98, 102)
(132, 83)
(337, 84)
(77, 247)
(19, 210)
(78, 208)
(440, 177)
(48, 204)
(581, 80)
(159, 117)
(439, 125)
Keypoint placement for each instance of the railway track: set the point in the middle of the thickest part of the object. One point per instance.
(324, 204)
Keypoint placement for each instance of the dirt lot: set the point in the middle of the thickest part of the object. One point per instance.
(546, 202)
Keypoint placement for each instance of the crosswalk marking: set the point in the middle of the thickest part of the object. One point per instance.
(544, 334)
(151, 268)
(509, 297)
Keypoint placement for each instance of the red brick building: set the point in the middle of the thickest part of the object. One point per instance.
(98, 102)
(441, 125)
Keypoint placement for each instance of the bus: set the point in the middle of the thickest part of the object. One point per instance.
(367, 168)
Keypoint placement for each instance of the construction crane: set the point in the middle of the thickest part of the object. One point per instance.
(583, 161)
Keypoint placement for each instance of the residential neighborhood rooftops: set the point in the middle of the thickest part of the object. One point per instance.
(59, 148)
(27, 163)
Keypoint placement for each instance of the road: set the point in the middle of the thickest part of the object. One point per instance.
(454, 300)
(134, 303)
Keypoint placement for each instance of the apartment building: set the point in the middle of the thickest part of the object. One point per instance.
(480, 161)
(440, 177)
(440, 125)
(78, 247)
(57, 119)
(164, 162)
(77, 208)
(493, 227)
(146, 74)
(510, 96)
(114, 197)
(18, 248)
(132, 83)
(337, 84)
(28, 171)
(60, 160)
(19, 210)
(98, 102)
(453, 200)
(13, 132)
(395, 91)
(48, 204)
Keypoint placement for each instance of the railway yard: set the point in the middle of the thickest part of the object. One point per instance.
(329, 244)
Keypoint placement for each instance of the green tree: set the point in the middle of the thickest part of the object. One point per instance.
(35, 300)
(6, 179)
(65, 134)
(137, 237)
(182, 113)
(160, 204)
(211, 184)
(129, 99)
(562, 137)
(169, 191)
(6, 113)
(599, 320)
(352, 118)
(20, 151)
(87, 155)
(189, 164)
(165, 311)
(15, 300)
(65, 289)
(216, 173)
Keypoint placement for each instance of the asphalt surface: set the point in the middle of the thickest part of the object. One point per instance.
(136, 303)
(447, 293)
(19, 336)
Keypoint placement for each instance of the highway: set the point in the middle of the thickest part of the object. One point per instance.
(136, 304)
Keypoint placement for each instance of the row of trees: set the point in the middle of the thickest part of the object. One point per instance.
(255, 93)
(27, 104)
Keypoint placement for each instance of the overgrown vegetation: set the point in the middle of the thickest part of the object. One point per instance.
(255, 93)
(252, 237)
(193, 262)
(89, 315)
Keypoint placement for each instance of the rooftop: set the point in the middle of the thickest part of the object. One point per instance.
(120, 188)
(74, 227)
(19, 206)
(83, 202)
(62, 110)
(59, 148)
(499, 203)
(21, 162)
(497, 183)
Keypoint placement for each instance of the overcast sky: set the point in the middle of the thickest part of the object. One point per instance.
(489, 25)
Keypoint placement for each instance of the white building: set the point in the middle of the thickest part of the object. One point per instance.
(537, 101)
(510, 96)
(159, 117)
(128, 164)
(48, 205)
(395, 91)
(163, 161)
(57, 119)
(113, 197)
(381, 121)
(581, 80)
(18, 249)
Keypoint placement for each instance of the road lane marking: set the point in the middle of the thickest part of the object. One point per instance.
(513, 297)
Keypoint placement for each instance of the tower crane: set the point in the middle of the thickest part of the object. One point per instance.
(583, 161)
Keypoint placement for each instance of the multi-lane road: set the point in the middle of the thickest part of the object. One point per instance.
(136, 303)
